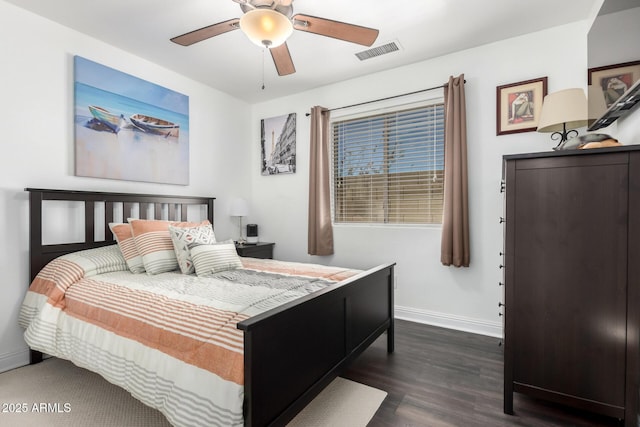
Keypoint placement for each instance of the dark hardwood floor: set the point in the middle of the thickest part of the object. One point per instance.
(441, 377)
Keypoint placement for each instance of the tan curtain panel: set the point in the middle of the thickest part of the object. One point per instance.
(455, 221)
(320, 228)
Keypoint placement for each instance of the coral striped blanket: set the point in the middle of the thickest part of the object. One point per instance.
(169, 339)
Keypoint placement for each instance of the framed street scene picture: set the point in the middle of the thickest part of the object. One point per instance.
(278, 144)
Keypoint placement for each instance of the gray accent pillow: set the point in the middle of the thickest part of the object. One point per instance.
(182, 237)
(210, 259)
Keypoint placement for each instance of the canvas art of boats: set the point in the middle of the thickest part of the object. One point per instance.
(104, 117)
(155, 125)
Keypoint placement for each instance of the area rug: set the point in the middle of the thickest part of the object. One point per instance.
(57, 393)
(343, 403)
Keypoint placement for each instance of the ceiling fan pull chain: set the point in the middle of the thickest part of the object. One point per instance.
(263, 50)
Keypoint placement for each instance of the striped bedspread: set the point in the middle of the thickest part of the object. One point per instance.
(169, 339)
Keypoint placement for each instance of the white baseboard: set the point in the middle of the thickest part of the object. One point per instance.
(14, 360)
(466, 324)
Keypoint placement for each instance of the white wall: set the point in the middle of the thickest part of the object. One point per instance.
(465, 298)
(37, 138)
(37, 143)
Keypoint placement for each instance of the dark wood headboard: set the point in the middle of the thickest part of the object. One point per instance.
(41, 254)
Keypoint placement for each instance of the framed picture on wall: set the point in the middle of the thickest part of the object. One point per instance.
(278, 144)
(127, 128)
(518, 106)
(614, 79)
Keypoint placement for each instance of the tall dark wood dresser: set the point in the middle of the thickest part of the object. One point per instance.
(572, 279)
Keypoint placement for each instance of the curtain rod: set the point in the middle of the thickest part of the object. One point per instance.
(388, 97)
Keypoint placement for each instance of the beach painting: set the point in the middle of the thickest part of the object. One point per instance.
(128, 128)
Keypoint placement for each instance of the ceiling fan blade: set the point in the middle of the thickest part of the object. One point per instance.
(336, 29)
(207, 32)
(282, 59)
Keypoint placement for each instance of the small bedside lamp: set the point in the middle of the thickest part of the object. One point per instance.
(563, 112)
(239, 207)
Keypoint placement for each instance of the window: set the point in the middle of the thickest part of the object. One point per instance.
(389, 168)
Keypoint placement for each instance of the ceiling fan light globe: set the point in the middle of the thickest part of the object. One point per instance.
(266, 27)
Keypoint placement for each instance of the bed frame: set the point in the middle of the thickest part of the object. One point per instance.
(290, 352)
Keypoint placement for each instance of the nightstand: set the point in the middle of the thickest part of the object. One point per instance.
(256, 250)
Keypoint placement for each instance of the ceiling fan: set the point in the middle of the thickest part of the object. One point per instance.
(268, 23)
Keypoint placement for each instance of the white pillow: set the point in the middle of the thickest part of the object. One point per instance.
(210, 259)
(182, 237)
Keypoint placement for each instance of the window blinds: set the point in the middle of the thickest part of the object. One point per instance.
(389, 168)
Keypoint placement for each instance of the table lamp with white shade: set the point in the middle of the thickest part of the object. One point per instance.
(562, 113)
(239, 207)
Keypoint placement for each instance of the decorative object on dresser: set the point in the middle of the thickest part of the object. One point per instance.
(572, 280)
(239, 207)
(627, 102)
(256, 250)
(587, 141)
(518, 106)
(562, 113)
(614, 80)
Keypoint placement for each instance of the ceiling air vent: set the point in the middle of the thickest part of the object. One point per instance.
(377, 51)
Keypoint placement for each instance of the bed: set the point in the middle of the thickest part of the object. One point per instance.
(287, 350)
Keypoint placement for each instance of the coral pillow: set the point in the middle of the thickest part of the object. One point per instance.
(154, 243)
(126, 243)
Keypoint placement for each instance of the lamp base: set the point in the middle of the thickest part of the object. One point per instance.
(564, 135)
(241, 240)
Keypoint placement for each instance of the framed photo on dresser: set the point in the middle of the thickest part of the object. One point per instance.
(614, 80)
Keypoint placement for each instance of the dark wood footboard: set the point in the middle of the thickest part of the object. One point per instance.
(292, 352)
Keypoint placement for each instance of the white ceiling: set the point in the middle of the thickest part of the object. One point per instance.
(231, 63)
